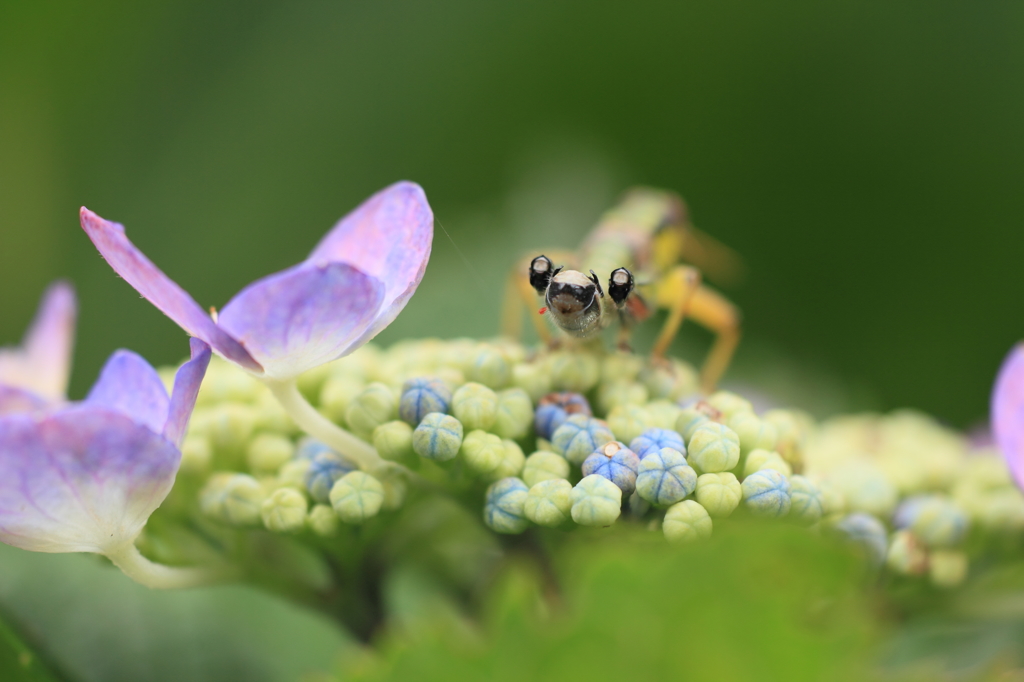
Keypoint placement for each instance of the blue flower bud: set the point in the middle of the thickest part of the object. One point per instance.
(766, 493)
(596, 501)
(421, 397)
(686, 521)
(867, 532)
(324, 469)
(438, 437)
(579, 436)
(475, 405)
(543, 465)
(554, 408)
(655, 439)
(503, 507)
(664, 477)
(713, 448)
(549, 502)
(356, 497)
(806, 499)
(615, 462)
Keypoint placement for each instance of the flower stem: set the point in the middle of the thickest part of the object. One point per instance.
(160, 577)
(322, 428)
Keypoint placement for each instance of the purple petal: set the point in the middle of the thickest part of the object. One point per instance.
(186, 388)
(43, 362)
(129, 385)
(1008, 412)
(159, 289)
(388, 236)
(83, 479)
(304, 316)
(14, 399)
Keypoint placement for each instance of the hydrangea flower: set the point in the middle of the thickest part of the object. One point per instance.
(36, 373)
(85, 477)
(1008, 412)
(352, 285)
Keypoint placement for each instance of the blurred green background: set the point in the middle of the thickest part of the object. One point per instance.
(864, 157)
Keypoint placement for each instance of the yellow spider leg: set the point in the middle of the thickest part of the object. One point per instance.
(715, 312)
(675, 291)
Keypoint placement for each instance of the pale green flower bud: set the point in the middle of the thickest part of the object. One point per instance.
(1002, 509)
(613, 394)
(337, 394)
(791, 436)
(211, 495)
(293, 474)
(805, 498)
(865, 488)
(268, 452)
(375, 405)
(357, 496)
(686, 521)
(832, 500)
(312, 380)
(628, 421)
(503, 507)
(719, 494)
(574, 371)
(229, 426)
(489, 367)
(754, 432)
(533, 378)
(947, 568)
(688, 421)
(713, 447)
(240, 499)
(671, 380)
(196, 454)
(729, 403)
(765, 459)
(271, 417)
(482, 452)
(663, 414)
(476, 406)
(323, 520)
(514, 417)
(938, 522)
(766, 493)
(512, 461)
(393, 442)
(549, 502)
(224, 382)
(438, 437)
(284, 511)
(543, 466)
(620, 367)
(596, 501)
(906, 555)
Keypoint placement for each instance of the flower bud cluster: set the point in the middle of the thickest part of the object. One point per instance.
(574, 437)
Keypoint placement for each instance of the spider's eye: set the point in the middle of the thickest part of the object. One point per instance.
(540, 273)
(620, 285)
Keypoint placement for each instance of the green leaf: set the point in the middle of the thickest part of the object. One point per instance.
(18, 663)
(96, 624)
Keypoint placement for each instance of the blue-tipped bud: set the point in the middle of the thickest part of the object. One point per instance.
(579, 436)
(422, 396)
(867, 532)
(554, 408)
(615, 462)
(664, 477)
(324, 469)
(596, 501)
(549, 502)
(766, 493)
(653, 440)
(686, 521)
(503, 507)
(934, 519)
(438, 437)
